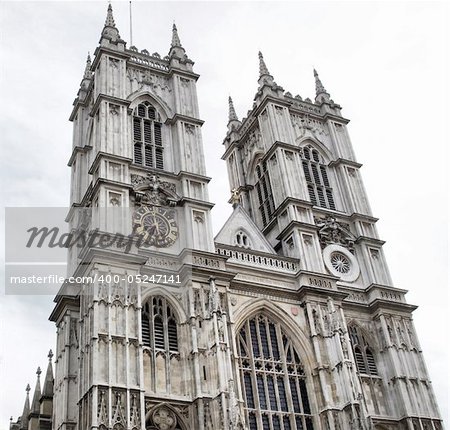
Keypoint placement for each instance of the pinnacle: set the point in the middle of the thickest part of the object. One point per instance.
(319, 86)
(48, 382)
(263, 70)
(37, 392)
(231, 111)
(26, 409)
(175, 38)
(109, 18)
(87, 73)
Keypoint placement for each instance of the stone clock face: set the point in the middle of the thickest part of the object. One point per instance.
(157, 225)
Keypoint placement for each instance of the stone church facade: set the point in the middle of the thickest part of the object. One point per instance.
(287, 319)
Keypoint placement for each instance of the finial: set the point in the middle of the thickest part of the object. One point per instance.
(262, 65)
(175, 38)
(319, 86)
(231, 111)
(109, 17)
(38, 372)
(28, 389)
(50, 355)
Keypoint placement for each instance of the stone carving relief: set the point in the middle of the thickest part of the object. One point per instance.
(73, 336)
(333, 232)
(118, 410)
(117, 292)
(114, 63)
(305, 126)
(411, 336)
(190, 129)
(135, 411)
(132, 294)
(164, 419)
(236, 421)
(151, 190)
(102, 407)
(253, 143)
(146, 78)
(344, 344)
(185, 82)
(213, 298)
(207, 416)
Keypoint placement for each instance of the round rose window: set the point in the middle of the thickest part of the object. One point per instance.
(341, 262)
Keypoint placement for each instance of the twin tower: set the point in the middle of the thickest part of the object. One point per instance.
(286, 320)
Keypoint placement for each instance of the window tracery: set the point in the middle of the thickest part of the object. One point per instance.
(316, 175)
(147, 136)
(264, 192)
(273, 378)
(364, 358)
(159, 326)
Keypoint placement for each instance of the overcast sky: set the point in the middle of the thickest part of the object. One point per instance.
(386, 63)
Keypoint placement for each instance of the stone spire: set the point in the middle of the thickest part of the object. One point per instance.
(266, 82)
(26, 409)
(109, 18)
(177, 51)
(87, 70)
(231, 111)
(177, 54)
(110, 31)
(263, 70)
(233, 121)
(35, 405)
(48, 382)
(175, 38)
(321, 92)
(87, 79)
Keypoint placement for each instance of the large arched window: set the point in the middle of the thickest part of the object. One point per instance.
(159, 326)
(272, 378)
(147, 136)
(364, 359)
(319, 189)
(264, 192)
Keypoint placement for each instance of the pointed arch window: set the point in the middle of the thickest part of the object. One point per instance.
(159, 326)
(273, 379)
(364, 358)
(317, 182)
(264, 192)
(147, 137)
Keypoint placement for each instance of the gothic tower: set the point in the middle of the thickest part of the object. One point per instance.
(287, 319)
(128, 354)
(298, 194)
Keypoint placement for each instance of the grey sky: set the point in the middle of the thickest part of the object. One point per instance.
(386, 63)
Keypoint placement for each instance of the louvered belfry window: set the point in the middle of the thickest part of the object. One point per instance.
(264, 193)
(364, 358)
(159, 326)
(273, 378)
(316, 175)
(147, 137)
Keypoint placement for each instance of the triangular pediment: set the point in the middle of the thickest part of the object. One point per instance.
(240, 224)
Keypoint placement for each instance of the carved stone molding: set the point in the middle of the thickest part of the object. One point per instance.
(151, 190)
